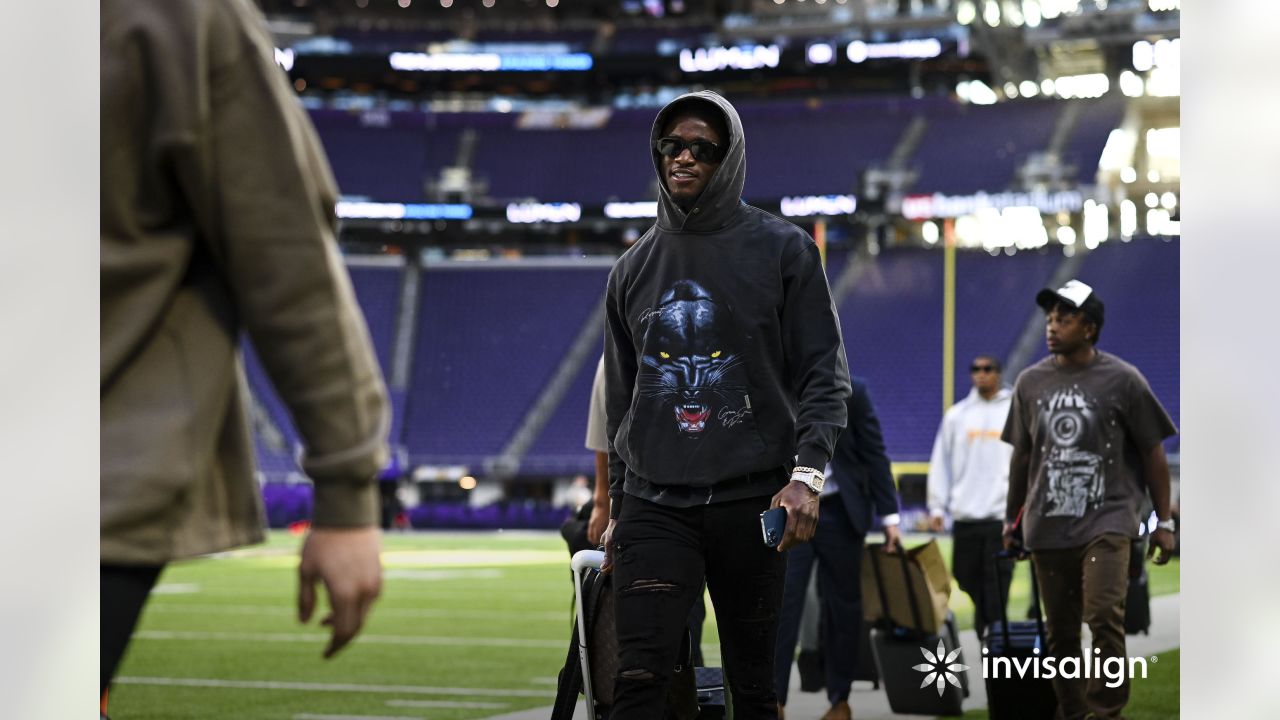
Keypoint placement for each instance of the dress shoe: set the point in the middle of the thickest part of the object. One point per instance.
(839, 711)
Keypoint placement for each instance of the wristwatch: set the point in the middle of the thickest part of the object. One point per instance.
(811, 477)
(1170, 525)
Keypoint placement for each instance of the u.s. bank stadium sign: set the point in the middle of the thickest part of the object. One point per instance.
(923, 207)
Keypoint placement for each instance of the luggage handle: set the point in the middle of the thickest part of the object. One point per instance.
(1035, 599)
(906, 575)
(584, 560)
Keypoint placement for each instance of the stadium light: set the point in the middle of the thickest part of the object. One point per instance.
(1096, 226)
(929, 231)
(1013, 11)
(1168, 201)
(1128, 218)
(467, 482)
(991, 13)
(1046, 86)
(1031, 11)
(1153, 176)
(1128, 175)
(966, 13)
(820, 53)
(1151, 200)
(284, 58)
(1143, 56)
(1091, 85)
(1130, 84)
(1010, 90)
(1028, 88)
(1156, 220)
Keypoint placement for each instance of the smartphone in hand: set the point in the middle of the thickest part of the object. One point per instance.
(773, 523)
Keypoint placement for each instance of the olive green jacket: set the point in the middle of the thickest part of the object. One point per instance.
(217, 208)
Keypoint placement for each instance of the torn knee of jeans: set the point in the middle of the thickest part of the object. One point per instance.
(636, 674)
(650, 585)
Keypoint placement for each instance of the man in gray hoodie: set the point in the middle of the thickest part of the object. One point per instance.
(726, 385)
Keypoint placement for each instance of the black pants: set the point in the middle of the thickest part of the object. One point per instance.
(123, 592)
(980, 574)
(663, 556)
(837, 548)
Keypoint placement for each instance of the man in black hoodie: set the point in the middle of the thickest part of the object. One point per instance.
(726, 384)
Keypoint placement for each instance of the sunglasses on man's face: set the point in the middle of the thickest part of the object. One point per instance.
(983, 368)
(702, 150)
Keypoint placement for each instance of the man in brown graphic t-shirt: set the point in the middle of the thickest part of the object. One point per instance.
(1087, 437)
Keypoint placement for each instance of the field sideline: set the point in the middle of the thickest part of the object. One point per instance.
(470, 625)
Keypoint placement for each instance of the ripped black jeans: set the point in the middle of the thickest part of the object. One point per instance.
(662, 556)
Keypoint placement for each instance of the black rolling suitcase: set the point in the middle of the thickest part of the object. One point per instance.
(1014, 697)
(923, 673)
(591, 663)
(811, 664)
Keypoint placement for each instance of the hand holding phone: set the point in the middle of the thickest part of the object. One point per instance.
(773, 523)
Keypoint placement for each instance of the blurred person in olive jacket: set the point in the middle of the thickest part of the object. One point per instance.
(217, 216)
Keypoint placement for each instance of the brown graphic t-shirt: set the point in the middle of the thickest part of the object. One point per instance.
(1086, 430)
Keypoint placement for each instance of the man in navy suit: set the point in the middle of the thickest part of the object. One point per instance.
(858, 483)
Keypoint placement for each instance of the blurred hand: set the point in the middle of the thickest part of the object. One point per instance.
(1006, 536)
(348, 562)
(802, 513)
(597, 522)
(892, 538)
(1162, 539)
(936, 524)
(606, 566)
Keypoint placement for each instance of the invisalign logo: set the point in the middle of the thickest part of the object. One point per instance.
(940, 669)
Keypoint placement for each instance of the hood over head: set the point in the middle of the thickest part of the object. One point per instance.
(723, 193)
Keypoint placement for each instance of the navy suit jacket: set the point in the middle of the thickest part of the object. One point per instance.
(860, 465)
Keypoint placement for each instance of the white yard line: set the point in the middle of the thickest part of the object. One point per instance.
(333, 687)
(314, 716)
(446, 704)
(563, 616)
(364, 639)
(175, 589)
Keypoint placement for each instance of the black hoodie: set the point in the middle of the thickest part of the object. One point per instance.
(723, 356)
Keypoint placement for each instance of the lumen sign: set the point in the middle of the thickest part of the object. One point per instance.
(808, 205)
(743, 57)
(544, 212)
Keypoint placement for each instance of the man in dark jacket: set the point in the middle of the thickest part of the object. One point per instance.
(725, 385)
(861, 482)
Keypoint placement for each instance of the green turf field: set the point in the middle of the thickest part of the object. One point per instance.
(470, 625)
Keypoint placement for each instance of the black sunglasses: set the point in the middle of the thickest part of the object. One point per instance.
(983, 368)
(702, 150)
